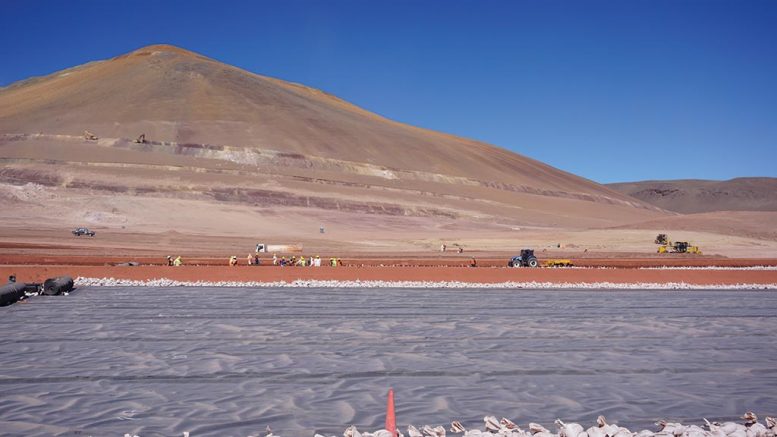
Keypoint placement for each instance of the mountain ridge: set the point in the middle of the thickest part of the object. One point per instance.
(700, 195)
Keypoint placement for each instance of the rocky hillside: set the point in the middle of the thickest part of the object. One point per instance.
(225, 136)
(694, 196)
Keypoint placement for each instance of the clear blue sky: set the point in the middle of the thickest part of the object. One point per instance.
(611, 90)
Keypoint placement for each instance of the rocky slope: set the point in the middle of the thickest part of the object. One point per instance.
(696, 196)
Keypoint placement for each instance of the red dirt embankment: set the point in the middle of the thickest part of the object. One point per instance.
(371, 273)
(488, 260)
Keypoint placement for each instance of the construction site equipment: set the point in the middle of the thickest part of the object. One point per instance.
(278, 248)
(141, 139)
(90, 136)
(558, 263)
(679, 247)
(666, 246)
(82, 231)
(525, 259)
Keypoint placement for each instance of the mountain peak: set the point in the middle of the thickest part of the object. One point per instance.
(162, 48)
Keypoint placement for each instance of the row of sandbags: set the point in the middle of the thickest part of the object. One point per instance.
(507, 428)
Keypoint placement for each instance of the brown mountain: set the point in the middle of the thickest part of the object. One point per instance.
(696, 196)
(227, 151)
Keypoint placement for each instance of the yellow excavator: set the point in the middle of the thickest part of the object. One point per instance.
(667, 246)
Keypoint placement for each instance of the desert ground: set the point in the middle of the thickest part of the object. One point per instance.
(37, 243)
(206, 257)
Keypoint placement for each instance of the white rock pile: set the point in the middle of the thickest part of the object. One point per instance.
(312, 283)
(507, 428)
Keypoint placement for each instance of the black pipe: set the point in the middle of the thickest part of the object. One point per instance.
(10, 293)
(55, 286)
(32, 287)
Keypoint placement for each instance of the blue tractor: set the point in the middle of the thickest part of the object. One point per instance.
(525, 259)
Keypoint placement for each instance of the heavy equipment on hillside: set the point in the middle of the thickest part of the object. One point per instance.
(90, 136)
(82, 231)
(667, 246)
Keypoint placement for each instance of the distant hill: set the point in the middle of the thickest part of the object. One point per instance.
(695, 196)
(224, 136)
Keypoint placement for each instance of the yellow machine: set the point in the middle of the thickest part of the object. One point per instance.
(558, 263)
(666, 246)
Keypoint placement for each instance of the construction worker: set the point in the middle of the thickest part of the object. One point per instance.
(232, 260)
(274, 259)
(257, 261)
(317, 261)
(250, 259)
(169, 260)
(178, 261)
